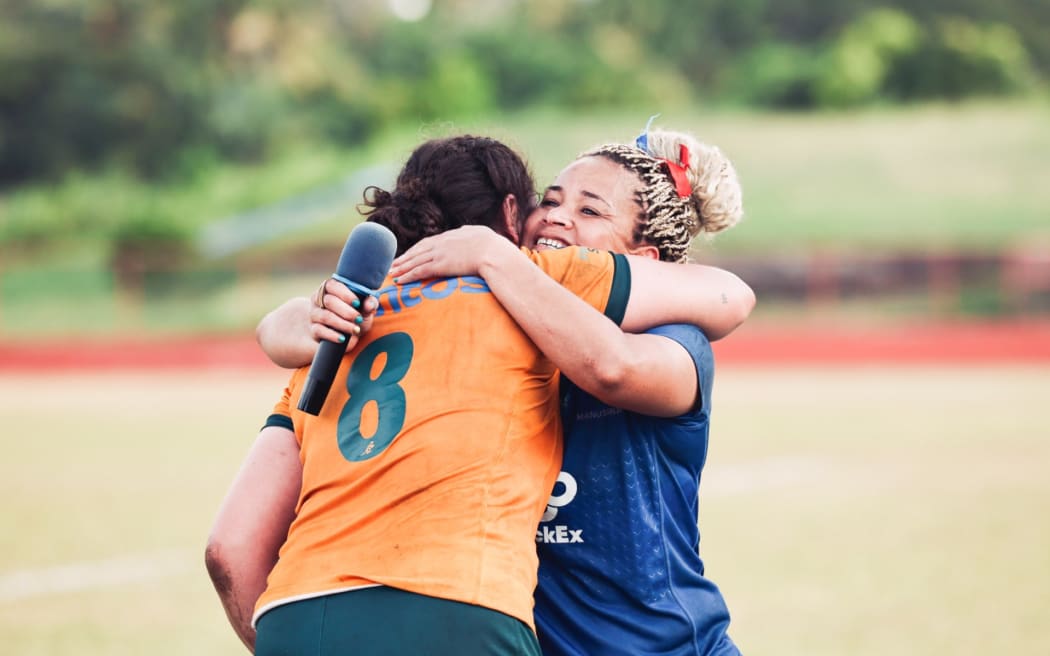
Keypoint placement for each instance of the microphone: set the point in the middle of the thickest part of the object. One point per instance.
(363, 266)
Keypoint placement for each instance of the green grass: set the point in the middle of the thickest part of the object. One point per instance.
(962, 176)
(966, 177)
(876, 511)
(969, 176)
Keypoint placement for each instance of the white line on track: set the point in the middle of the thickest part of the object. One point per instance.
(27, 583)
(719, 481)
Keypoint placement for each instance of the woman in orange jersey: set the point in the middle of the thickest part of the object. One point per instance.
(417, 535)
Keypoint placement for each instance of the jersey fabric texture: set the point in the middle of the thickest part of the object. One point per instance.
(620, 570)
(431, 461)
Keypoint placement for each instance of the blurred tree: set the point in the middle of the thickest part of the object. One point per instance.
(863, 55)
(161, 88)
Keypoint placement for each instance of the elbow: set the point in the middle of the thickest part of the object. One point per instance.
(744, 305)
(218, 565)
(610, 375)
(262, 338)
(740, 306)
(223, 553)
(260, 335)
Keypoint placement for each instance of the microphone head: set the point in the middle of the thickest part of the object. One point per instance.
(367, 255)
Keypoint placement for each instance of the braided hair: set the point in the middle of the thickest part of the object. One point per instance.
(451, 182)
(669, 221)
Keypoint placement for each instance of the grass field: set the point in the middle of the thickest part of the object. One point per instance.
(868, 511)
(965, 177)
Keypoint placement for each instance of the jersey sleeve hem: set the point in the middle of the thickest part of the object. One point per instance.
(616, 308)
(279, 421)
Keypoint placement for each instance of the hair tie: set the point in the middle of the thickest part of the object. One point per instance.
(677, 170)
(642, 140)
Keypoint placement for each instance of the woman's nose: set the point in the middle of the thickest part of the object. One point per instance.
(558, 216)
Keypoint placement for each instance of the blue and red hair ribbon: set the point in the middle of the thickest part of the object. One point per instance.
(677, 170)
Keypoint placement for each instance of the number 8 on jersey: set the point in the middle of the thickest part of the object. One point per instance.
(384, 390)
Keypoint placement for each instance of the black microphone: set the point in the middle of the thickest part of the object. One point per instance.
(363, 266)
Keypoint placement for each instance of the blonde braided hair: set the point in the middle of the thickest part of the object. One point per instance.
(669, 221)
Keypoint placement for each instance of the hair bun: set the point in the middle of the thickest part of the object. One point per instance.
(410, 191)
(716, 187)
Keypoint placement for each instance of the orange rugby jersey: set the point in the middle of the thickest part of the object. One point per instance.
(436, 450)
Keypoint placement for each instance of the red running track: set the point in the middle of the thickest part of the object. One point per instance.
(1013, 342)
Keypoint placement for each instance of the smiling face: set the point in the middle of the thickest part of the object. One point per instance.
(593, 203)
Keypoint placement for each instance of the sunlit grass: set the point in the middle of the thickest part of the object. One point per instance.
(869, 511)
(946, 177)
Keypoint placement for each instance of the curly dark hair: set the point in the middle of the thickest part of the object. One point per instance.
(448, 183)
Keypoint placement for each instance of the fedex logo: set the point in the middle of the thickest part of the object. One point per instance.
(565, 489)
(558, 535)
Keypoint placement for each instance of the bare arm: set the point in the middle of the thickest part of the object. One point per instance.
(252, 525)
(713, 299)
(289, 334)
(643, 373)
(284, 334)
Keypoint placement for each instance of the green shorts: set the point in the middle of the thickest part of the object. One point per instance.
(384, 621)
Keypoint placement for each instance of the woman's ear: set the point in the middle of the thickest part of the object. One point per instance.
(510, 217)
(646, 250)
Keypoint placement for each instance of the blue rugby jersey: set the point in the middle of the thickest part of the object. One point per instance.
(620, 570)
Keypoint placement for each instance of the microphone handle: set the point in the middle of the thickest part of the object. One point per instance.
(326, 362)
(322, 373)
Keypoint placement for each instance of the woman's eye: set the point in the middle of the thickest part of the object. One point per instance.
(547, 202)
(589, 212)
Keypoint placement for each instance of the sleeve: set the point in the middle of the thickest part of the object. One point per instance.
(693, 340)
(600, 278)
(282, 410)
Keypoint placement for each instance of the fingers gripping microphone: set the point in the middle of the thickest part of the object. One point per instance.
(363, 265)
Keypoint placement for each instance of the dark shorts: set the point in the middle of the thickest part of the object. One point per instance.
(384, 621)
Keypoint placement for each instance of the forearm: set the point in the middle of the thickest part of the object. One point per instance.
(252, 524)
(238, 601)
(284, 334)
(641, 373)
(584, 344)
(710, 298)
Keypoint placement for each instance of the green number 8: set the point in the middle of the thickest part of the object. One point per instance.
(383, 389)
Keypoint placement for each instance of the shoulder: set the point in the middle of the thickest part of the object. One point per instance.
(692, 338)
(572, 257)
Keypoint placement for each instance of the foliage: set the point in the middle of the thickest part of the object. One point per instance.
(886, 55)
(83, 219)
(961, 58)
(860, 60)
(776, 74)
(149, 242)
(156, 88)
(124, 126)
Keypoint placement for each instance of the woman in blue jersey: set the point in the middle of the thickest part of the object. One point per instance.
(620, 571)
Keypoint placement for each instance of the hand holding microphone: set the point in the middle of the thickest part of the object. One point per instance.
(363, 266)
(337, 314)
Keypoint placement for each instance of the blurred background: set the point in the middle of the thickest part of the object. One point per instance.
(169, 171)
(174, 166)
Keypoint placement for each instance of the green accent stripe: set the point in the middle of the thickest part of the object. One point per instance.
(621, 289)
(280, 421)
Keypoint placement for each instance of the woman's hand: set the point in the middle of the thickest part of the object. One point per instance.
(336, 311)
(461, 252)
